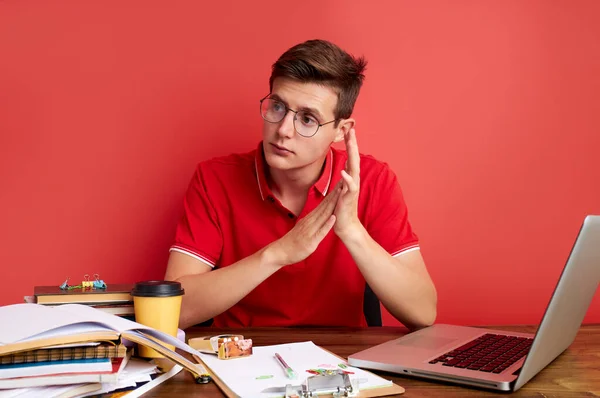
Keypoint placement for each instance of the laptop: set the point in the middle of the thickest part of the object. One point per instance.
(495, 359)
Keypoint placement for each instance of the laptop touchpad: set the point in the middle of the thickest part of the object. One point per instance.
(429, 342)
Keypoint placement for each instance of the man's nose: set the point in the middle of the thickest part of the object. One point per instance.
(286, 126)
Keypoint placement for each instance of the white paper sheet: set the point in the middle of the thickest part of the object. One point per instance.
(69, 390)
(240, 374)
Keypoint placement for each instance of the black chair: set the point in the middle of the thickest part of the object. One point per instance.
(371, 307)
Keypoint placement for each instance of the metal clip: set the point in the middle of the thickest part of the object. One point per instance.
(338, 384)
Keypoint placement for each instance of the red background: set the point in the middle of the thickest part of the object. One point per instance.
(487, 111)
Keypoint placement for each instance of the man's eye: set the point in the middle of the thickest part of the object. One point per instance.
(307, 119)
(278, 107)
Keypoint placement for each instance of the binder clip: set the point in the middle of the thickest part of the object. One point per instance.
(203, 378)
(64, 285)
(339, 385)
(98, 283)
(86, 282)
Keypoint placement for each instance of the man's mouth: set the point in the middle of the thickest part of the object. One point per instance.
(281, 148)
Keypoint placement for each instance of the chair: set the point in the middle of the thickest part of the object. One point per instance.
(371, 307)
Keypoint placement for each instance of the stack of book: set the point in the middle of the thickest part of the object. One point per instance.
(114, 299)
(91, 362)
(76, 350)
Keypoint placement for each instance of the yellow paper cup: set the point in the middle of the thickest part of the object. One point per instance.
(157, 304)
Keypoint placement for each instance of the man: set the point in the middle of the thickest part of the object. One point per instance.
(289, 233)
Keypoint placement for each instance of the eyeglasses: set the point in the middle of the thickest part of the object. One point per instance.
(305, 124)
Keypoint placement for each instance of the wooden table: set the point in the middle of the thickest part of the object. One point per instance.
(576, 373)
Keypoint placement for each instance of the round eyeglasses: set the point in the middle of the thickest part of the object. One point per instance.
(305, 124)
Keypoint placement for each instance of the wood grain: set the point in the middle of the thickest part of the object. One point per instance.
(576, 373)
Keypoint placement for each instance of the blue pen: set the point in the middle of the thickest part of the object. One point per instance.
(289, 372)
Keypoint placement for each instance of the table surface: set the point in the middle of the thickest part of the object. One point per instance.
(575, 373)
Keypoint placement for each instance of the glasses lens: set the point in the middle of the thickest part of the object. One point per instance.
(272, 111)
(306, 124)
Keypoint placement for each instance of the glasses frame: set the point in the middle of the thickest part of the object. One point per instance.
(288, 109)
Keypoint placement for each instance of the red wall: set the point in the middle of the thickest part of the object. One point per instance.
(487, 111)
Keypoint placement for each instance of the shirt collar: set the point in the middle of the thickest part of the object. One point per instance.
(322, 185)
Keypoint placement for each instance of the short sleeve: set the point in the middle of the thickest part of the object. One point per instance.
(387, 221)
(198, 233)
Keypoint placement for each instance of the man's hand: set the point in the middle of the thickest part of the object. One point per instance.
(346, 210)
(307, 234)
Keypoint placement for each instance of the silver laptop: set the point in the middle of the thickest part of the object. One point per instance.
(496, 359)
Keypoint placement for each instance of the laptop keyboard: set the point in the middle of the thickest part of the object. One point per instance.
(488, 353)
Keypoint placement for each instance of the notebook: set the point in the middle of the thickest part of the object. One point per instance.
(65, 377)
(35, 326)
(105, 349)
(496, 359)
(113, 293)
(261, 375)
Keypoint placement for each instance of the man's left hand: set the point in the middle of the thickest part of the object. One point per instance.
(346, 210)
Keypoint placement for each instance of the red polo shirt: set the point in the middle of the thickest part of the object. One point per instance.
(231, 213)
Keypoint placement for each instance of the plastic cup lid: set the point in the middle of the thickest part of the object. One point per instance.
(157, 289)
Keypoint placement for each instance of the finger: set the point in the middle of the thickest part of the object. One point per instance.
(328, 204)
(349, 182)
(331, 197)
(324, 230)
(325, 208)
(353, 163)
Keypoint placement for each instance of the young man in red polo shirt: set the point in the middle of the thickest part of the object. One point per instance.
(289, 233)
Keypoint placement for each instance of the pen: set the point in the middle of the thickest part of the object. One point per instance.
(288, 371)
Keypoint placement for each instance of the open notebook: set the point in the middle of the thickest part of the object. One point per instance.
(34, 326)
(260, 374)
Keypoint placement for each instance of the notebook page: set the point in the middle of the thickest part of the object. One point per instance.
(29, 320)
(34, 321)
(121, 324)
(240, 374)
(85, 312)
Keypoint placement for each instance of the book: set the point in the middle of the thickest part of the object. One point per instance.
(116, 308)
(105, 349)
(55, 295)
(124, 309)
(34, 326)
(260, 375)
(12, 370)
(111, 375)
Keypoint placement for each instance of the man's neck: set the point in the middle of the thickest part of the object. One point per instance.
(295, 182)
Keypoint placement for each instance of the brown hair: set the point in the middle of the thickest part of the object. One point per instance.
(319, 61)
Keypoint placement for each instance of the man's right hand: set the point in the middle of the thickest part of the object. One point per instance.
(307, 234)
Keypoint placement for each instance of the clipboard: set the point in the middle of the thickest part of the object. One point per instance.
(394, 389)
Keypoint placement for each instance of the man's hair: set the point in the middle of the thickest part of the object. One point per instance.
(322, 62)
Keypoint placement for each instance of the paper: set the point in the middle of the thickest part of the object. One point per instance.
(33, 322)
(136, 371)
(250, 376)
(138, 392)
(70, 390)
(35, 326)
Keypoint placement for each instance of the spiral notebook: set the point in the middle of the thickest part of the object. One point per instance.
(105, 349)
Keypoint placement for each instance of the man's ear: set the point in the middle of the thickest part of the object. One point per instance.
(343, 128)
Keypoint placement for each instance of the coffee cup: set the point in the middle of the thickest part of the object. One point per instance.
(157, 304)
